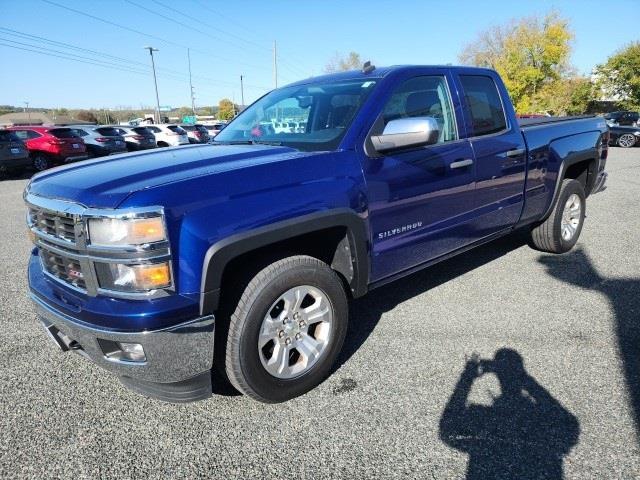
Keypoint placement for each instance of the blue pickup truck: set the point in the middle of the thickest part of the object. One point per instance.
(242, 255)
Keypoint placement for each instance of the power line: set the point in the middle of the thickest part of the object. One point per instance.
(252, 32)
(149, 35)
(192, 28)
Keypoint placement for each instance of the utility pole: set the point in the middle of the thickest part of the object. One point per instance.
(242, 91)
(155, 81)
(26, 109)
(193, 98)
(275, 64)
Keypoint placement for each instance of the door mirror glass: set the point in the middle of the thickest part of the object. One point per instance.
(407, 132)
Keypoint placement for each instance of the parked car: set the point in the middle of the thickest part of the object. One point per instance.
(168, 135)
(215, 129)
(137, 138)
(625, 118)
(625, 137)
(197, 133)
(243, 256)
(14, 156)
(49, 146)
(101, 140)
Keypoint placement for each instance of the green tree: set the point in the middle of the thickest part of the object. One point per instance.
(226, 109)
(565, 96)
(528, 54)
(341, 63)
(86, 116)
(184, 112)
(619, 77)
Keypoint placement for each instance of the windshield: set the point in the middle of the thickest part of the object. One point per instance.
(322, 111)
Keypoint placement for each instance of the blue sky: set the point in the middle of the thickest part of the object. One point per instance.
(230, 38)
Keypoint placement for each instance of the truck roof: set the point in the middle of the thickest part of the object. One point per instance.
(380, 72)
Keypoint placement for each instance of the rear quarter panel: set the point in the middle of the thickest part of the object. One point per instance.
(551, 147)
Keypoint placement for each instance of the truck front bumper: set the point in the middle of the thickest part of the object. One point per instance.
(177, 360)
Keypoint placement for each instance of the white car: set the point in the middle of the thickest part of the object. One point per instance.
(169, 135)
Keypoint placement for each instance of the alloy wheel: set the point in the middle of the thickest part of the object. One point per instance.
(295, 332)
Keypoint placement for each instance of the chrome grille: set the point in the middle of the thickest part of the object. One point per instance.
(65, 268)
(54, 224)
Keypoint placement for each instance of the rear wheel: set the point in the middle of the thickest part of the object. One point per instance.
(626, 140)
(561, 230)
(41, 162)
(286, 330)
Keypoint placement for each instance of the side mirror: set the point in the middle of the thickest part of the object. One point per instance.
(407, 132)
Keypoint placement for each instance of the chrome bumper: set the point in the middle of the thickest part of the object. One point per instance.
(173, 354)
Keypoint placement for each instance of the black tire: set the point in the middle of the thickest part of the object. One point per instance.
(243, 364)
(547, 237)
(41, 162)
(626, 140)
(162, 144)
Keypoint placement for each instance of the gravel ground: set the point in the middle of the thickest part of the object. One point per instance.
(395, 406)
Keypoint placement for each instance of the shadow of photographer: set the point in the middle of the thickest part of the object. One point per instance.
(524, 434)
(576, 268)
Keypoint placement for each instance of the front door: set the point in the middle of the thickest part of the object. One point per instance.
(421, 200)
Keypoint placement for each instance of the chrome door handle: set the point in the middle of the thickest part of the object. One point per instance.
(461, 163)
(515, 153)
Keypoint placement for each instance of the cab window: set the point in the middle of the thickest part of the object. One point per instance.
(424, 96)
(483, 105)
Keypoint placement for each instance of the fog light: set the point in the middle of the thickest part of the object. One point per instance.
(132, 352)
(122, 351)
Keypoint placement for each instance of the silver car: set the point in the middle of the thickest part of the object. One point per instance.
(100, 140)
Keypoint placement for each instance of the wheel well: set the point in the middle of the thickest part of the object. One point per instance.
(330, 245)
(584, 172)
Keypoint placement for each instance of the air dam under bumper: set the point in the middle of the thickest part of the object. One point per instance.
(178, 359)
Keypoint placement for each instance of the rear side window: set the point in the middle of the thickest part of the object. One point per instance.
(153, 129)
(176, 129)
(107, 131)
(484, 105)
(189, 128)
(26, 134)
(142, 131)
(63, 132)
(7, 136)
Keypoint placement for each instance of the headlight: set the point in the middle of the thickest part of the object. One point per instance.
(126, 231)
(134, 278)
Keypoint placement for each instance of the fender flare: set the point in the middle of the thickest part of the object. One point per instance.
(587, 156)
(355, 243)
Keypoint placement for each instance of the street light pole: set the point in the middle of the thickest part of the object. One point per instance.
(193, 98)
(28, 111)
(155, 81)
(242, 90)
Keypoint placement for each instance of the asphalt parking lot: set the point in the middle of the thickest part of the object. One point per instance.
(398, 405)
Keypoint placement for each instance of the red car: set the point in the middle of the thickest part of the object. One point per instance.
(49, 146)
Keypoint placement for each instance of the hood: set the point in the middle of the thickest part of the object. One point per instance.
(107, 182)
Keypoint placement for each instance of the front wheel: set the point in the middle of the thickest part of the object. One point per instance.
(560, 231)
(287, 329)
(626, 140)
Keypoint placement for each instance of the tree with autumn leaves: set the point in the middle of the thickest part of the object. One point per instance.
(532, 57)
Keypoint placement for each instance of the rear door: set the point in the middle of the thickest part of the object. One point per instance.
(499, 151)
(420, 199)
